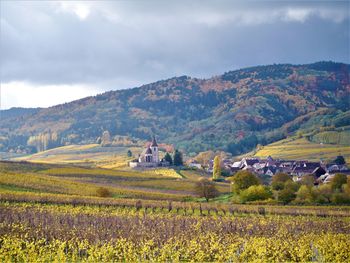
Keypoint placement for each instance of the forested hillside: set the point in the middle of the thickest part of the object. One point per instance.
(232, 112)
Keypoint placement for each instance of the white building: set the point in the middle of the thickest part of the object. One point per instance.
(149, 157)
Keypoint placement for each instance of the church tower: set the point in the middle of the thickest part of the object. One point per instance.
(155, 152)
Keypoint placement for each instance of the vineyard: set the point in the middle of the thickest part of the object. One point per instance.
(98, 233)
(53, 213)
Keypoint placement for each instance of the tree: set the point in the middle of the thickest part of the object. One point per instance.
(168, 158)
(216, 168)
(308, 180)
(243, 180)
(178, 158)
(339, 160)
(278, 181)
(304, 195)
(337, 181)
(324, 193)
(129, 153)
(205, 188)
(286, 195)
(256, 192)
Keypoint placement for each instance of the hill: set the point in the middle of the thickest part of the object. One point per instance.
(302, 149)
(232, 112)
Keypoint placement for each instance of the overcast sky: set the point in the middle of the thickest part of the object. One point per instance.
(57, 51)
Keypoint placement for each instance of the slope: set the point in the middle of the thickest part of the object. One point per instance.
(232, 112)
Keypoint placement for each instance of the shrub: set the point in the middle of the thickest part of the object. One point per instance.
(286, 195)
(340, 198)
(243, 180)
(256, 192)
(337, 181)
(278, 181)
(103, 192)
(305, 195)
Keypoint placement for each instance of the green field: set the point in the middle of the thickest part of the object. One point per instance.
(302, 149)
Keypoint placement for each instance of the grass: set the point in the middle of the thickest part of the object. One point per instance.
(302, 149)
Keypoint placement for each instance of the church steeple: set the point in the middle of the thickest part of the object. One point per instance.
(154, 142)
(155, 152)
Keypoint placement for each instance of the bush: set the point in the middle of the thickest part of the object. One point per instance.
(286, 195)
(103, 192)
(340, 198)
(337, 181)
(256, 192)
(305, 195)
(278, 181)
(243, 180)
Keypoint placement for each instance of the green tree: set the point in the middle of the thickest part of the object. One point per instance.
(337, 181)
(216, 168)
(129, 154)
(308, 180)
(286, 195)
(324, 193)
(256, 192)
(243, 180)
(278, 181)
(168, 158)
(205, 188)
(178, 158)
(305, 195)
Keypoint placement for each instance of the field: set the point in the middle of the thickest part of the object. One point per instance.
(99, 233)
(112, 157)
(302, 149)
(54, 213)
(156, 184)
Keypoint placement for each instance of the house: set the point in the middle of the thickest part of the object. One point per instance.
(194, 164)
(248, 163)
(301, 168)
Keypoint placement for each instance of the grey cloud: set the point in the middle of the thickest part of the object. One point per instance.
(122, 44)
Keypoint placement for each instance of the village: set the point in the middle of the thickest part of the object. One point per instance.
(321, 171)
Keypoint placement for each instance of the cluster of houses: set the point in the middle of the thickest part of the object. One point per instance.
(322, 172)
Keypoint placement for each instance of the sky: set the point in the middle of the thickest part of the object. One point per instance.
(57, 51)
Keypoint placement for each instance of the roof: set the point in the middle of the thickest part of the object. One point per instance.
(154, 142)
(251, 161)
(148, 151)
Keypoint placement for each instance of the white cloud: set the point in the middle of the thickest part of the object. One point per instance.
(297, 14)
(79, 8)
(23, 94)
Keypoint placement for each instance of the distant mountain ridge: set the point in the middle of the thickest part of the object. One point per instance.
(232, 112)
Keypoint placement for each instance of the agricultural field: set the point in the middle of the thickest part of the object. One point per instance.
(111, 157)
(56, 213)
(167, 232)
(156, 184)
(302, 149)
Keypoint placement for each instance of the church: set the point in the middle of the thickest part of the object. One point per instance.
(149, 157)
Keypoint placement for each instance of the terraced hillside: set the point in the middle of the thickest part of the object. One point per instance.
(302, 149)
